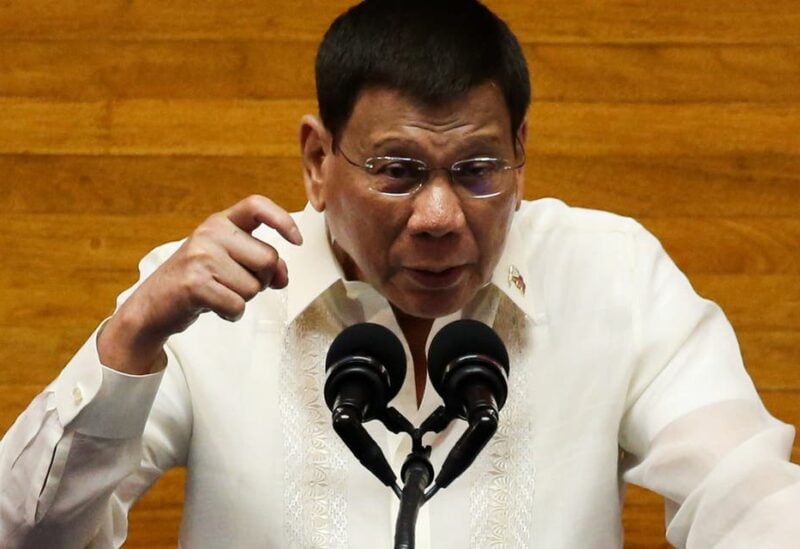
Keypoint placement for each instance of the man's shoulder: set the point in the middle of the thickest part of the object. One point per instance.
(548, 235)
(548, 215)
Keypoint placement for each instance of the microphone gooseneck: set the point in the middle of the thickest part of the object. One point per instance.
(365, 367)
(468, 366)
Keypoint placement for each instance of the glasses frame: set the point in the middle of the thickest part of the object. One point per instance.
(369, 163)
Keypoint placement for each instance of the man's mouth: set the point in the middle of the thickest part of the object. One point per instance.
(436, 278)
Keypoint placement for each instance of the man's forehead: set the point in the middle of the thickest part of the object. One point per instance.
(385, 116)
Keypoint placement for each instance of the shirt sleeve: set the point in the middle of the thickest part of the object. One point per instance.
(695, 429)
(87, 447)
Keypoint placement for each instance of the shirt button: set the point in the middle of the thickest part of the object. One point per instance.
(77, 395)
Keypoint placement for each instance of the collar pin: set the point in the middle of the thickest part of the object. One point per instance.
(515, 279)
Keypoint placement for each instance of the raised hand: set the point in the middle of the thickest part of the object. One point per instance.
(219, 268)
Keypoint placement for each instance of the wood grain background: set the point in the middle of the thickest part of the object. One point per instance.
(124, 123)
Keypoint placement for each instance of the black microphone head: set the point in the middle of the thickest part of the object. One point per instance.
(467, 345)
(372, 352)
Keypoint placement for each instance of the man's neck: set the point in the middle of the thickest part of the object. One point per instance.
(416, 331)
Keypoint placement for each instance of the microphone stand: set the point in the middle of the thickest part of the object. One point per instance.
(417, 474)
(417, 471)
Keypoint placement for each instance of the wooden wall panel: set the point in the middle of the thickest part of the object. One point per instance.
(123, 124)
(551, 21)
(664, 73)
(734, 185)
(105, 69)
(114, 185)
(268, 128)
(193, 69)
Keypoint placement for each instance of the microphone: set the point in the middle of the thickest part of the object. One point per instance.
(365, 368)
(468, 367)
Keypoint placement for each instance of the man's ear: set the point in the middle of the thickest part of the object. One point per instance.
(522, 138)
(315, 147)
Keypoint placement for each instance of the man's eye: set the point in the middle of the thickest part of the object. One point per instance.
(399, 170)
(477, 168)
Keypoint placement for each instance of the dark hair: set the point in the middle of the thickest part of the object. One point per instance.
(432, 50)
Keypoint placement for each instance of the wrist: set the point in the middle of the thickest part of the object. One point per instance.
(123, 344)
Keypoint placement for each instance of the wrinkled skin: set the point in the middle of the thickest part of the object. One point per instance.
(218, 268)
(430, 253)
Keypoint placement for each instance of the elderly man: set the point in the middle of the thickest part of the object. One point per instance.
(413, 173)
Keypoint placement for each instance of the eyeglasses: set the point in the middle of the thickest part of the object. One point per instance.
(480, 177)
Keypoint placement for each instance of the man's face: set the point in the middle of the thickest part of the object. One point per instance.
(430, 252)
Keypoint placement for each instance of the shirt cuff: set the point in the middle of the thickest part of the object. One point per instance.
(98, 401)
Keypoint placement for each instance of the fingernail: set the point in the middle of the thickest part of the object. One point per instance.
(232, 318)
(297, 238)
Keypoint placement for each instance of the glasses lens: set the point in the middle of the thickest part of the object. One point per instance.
(480, 177)
(397, 176)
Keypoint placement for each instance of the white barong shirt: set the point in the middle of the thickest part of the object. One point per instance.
(620, 373)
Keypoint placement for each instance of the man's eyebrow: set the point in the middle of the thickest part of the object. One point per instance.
(473, 141)
(478, 141)
(394, 141)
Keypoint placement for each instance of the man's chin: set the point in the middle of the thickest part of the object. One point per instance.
(430, 305)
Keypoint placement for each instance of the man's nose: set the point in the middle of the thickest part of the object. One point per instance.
(437, 208)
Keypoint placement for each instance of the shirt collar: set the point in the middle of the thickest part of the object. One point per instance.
(511, 274)
(312, 266)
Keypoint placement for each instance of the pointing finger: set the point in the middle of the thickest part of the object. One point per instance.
(256, 209)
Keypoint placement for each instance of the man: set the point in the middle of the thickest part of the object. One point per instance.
(413, 174)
